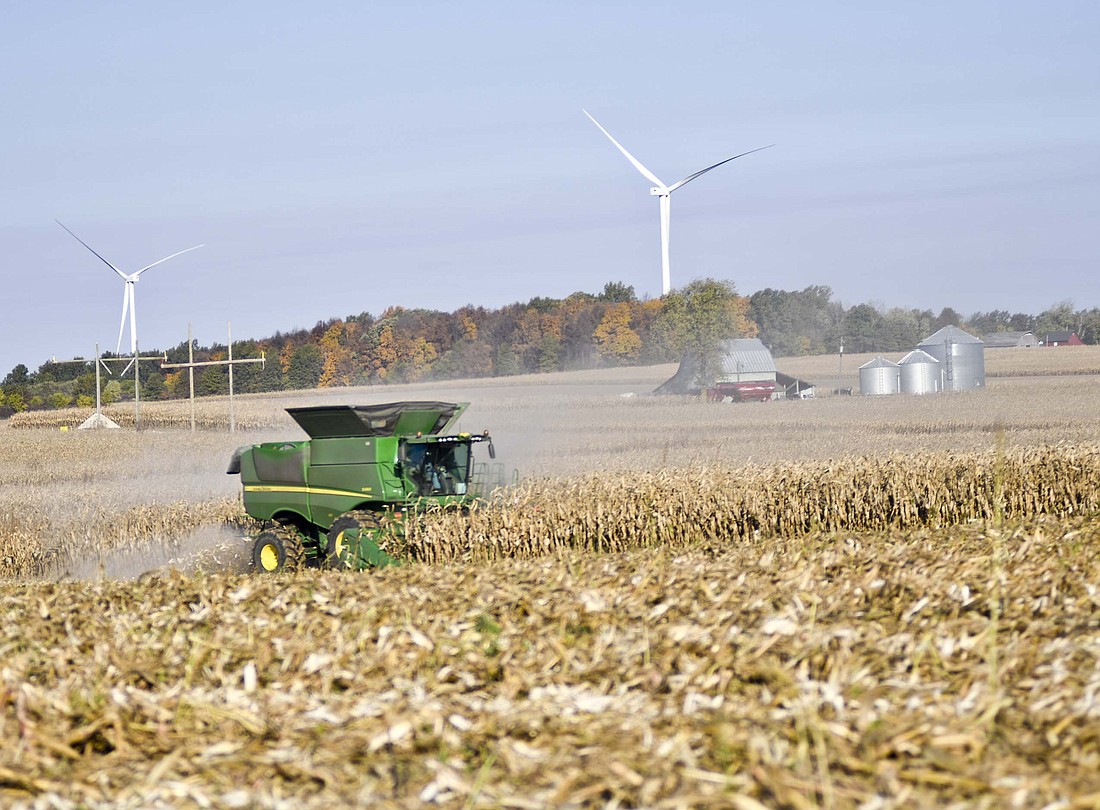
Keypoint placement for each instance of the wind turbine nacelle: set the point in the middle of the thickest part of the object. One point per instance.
(656, 191)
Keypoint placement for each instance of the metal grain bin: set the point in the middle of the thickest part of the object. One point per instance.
(961, 355)
(879, 377)
(920, 373)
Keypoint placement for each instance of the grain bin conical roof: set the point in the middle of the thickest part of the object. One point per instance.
(879, 362)
(917, 356)
(949, 334)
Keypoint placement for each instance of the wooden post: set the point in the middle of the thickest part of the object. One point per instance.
(191, 365)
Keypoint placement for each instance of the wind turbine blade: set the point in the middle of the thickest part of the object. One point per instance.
(166, 258)
(646, 172)
(81, 241)
(122, 323)
(691, 177)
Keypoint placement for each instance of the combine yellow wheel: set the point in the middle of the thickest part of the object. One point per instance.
(343, 542)
(270, 556)
(278, 550)
(352, 541)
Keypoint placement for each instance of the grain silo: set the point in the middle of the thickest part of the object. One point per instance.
(920, 373)
(878, 377)
(961, 356)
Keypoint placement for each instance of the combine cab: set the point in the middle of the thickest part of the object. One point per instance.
(332, 499)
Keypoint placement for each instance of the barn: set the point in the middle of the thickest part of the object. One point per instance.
(743, 370)
(1010, 340)
(1062, 339)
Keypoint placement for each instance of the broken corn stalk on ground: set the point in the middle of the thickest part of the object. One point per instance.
(939, 667)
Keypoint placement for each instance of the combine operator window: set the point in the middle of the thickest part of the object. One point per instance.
(439, 469)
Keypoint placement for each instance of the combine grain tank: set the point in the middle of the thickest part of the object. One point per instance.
(879, 377)
(920, 373)
(961, 356)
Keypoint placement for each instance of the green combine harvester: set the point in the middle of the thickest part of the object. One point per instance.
(330, 500)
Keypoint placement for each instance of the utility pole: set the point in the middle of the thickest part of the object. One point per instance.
(136, 361)
(98, 399)
(839, 368)
(191, 365)
(98, 361)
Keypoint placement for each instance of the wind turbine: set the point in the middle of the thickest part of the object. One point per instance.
(131, 279)
(664, 192)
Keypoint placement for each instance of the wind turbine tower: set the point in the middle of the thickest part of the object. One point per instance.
(130, 281)
(664, 194)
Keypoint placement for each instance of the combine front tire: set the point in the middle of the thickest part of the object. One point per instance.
(278, 550)
(353, 542)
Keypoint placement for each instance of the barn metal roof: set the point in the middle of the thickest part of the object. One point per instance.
(1007, 338)
(1058, 337)
(949, 334)
(746, 356)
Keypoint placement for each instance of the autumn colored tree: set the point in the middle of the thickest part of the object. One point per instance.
(334, 367)
(581, 314)
(382, 351)
(617, 342)
(467, 324)
(416, 358)
(286, 352)
(176, 385)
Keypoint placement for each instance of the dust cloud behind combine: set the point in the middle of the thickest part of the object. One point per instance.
(207, 550)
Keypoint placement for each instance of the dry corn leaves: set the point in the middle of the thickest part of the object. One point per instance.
(671, 508)
(937, 668)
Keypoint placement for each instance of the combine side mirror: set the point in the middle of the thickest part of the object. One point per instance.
(492, 450)
(402, 457)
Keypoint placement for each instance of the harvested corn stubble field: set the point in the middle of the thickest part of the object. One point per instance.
(926, 669)
(850, 602)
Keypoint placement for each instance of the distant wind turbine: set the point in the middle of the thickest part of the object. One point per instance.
(664, 192)
(131, 279)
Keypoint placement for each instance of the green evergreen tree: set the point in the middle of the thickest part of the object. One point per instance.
(212, 382)
(152, 386)
(306, 364)
(505, 363)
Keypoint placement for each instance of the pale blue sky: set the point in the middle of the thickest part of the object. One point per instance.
(342, 157)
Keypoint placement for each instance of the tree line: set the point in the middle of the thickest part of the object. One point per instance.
(810, 321)
(584, 330)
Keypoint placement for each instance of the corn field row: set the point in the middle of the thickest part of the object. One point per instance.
(678, 508)
(35, 545)
(671, 508)
(154, 416)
